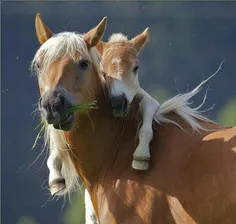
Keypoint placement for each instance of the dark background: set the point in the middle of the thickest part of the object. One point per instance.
(188, 41)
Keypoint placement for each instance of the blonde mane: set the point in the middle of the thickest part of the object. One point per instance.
(69, 43)
(59, 45)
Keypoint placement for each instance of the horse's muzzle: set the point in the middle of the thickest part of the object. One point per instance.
(119, 105)
(53, 106)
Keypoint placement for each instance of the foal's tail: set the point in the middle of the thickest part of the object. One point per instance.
(180, 105)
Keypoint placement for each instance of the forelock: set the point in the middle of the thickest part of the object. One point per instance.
(117, 38)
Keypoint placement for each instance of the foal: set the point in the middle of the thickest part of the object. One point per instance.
(120, 68)
(120, 63)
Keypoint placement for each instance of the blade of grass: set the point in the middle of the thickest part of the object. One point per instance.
(81, 107)
(43, 123)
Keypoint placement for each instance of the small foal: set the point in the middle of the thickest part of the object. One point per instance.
(120, 65)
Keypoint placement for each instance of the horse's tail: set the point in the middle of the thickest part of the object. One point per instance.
(180, 105)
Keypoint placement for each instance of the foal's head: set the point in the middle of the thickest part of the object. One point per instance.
(65, 64)
(120, 64)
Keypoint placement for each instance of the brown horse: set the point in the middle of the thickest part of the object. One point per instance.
(191, 174)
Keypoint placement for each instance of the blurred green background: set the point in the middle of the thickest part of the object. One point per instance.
(188, 41)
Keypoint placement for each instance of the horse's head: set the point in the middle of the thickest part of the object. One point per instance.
(65, 64)
(120, 65)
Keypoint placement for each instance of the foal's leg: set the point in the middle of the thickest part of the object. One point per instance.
(141, 156)
(90, 215)
(56, 180)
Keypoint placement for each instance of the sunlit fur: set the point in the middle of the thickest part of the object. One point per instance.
(90, 215)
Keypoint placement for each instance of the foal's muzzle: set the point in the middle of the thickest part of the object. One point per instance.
(119, 105)
(53, 107)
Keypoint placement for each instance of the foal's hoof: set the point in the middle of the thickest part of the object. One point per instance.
(140, 164)
(57, 186)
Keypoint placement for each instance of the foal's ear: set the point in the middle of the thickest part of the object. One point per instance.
(94, 36)
(101, 47)
(42, 31)
(140, 40)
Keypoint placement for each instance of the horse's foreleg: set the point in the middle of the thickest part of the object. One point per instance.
(141, 156)
(90, 215)
(56, 180)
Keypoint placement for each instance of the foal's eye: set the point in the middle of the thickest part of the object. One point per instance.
(83, 64)
(135, 70)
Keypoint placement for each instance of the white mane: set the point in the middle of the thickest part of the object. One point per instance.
(117, 38)
(54, 48)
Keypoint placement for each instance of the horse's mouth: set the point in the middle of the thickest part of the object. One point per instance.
(119, 113)
(66, 123)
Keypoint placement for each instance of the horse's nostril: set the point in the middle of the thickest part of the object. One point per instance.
(56, 107)
(125, 103)
(62, 100)
(116, 103)
(59, 104)
(40, 101)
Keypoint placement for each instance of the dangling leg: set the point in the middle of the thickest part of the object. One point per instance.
(56, 180)
(90, 215)
(141, 156)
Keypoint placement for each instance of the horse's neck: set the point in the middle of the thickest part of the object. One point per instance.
(103, 147)
(97, 141)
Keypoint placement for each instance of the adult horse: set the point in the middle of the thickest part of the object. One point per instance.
(191, 178)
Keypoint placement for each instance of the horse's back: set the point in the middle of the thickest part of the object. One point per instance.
(191, 180)
(210, 176)
(197, 174)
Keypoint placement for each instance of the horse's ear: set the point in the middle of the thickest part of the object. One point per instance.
(140, 40)
(42, 31)
(100, 47)
(94, 36)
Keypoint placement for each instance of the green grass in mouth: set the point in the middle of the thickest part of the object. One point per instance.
(81, 107)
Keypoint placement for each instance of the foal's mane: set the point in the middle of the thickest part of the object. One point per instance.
(69, 43)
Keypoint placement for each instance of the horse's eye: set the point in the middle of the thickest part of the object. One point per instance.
(135, 70)
(83, 64)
